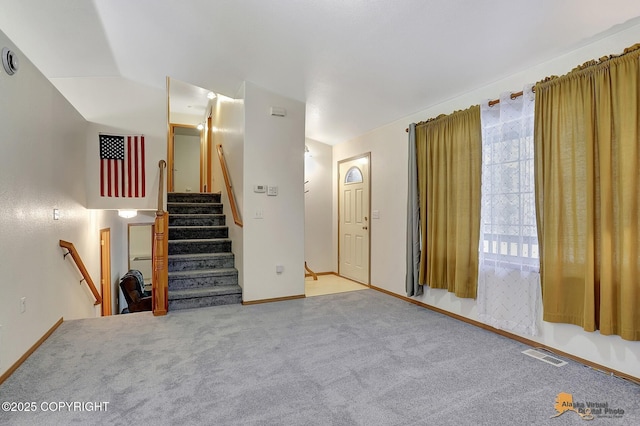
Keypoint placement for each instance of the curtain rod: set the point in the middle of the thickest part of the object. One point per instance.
(586, 65)
(497, 101)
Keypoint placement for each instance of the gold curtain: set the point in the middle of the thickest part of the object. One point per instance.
(449, 163)
(587, 164)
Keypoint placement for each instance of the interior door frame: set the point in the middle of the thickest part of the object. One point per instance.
(366, 155)
(205, 164)
(105, 272)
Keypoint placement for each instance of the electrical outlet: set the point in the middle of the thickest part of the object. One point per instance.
(23, 305)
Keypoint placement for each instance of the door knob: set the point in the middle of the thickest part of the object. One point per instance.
(364, 227)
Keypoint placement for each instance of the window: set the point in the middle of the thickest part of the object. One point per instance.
(508, 278)
(354, 175)
(508, 233)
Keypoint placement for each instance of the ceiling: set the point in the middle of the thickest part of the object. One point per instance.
(357, 64)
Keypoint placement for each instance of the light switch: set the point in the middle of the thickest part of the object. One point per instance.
(272, 190)
(375, 214)
(259, 214)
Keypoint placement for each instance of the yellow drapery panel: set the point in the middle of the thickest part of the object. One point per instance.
(448, 151)
(587, 195)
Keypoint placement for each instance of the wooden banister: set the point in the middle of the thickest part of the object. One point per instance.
(163, 165)
(83, 270)
(160, 253)
(227, 181)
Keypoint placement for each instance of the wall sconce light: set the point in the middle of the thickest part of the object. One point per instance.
(211, 95)
(200, 126)
(127, 214)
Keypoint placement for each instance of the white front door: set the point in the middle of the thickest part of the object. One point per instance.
(353, 202)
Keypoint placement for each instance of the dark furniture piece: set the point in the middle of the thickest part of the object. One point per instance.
(132, 284)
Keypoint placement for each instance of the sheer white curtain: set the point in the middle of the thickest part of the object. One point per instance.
(508, 279)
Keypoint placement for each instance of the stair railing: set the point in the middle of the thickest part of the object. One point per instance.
(160, 253)
(227, 182)
(80, 264)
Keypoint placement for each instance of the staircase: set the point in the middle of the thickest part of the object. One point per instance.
(201, 264)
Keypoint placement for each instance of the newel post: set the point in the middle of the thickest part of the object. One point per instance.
(161, 252)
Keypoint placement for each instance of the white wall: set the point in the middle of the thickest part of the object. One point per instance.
(318, 200)
(186, 177)
(188, 119)
(42, 167)
(119, 106)
(388, 146)
(228, 131)
(273, 155)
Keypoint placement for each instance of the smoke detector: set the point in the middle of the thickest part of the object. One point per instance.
(9, 61)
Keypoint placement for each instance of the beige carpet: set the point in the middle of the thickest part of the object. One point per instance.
(330, 284)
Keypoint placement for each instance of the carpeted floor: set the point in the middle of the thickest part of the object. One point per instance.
(357, 358)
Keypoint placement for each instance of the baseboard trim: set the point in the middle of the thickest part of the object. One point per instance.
(520, 339)
(353, 281)
(31, 350)
(320, 273)
(275, 299)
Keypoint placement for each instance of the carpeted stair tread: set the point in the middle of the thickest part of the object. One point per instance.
(197, 232)
(190, 219)
(197, 227)
(201, 261)
(197, 215)
(194, 208)
(193, 293)
(195, 261)
(197, 256)
(187, 204)
(197, 240)
(203, 272)
(176, 197)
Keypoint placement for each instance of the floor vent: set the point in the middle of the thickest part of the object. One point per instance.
(544, 357)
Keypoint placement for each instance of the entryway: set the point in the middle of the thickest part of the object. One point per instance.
(353, 218)
(330, 284)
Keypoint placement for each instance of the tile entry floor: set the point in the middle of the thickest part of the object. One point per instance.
(330, 284)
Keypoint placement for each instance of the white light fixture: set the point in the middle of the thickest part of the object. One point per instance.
(127, 214)
(200, 126)
(211, 95)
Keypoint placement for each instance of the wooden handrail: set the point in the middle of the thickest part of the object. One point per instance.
(85, 274)
(227, 181)
(163, 165)
(160, 253)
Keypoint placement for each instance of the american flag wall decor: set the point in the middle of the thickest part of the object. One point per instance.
(122, 166)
